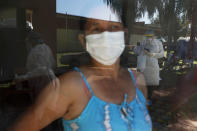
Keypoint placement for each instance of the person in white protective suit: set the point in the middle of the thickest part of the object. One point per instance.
(141, 57)
(40, 59)
(40, 64)
(151, 50)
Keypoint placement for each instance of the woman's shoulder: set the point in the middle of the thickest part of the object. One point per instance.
(71, 85)
(70, 78)
(73, 78)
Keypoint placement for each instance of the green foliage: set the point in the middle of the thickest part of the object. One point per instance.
(173, 15)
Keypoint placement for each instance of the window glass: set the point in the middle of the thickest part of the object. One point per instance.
(42, 43)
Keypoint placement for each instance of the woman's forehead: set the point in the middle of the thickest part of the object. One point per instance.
(100, 23)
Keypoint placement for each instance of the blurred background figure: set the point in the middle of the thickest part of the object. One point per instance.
(141, 57)
(182, 48)
(183, 51)
(149, 51)
(40, 59)
(40, 64)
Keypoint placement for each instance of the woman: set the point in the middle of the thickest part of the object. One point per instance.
(100, 96)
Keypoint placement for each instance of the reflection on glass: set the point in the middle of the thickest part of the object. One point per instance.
(71, 34)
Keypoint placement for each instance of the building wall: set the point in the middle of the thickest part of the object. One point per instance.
(67, 41)
(7, 13)
(12, 46)
(134, 38)
(44, 22)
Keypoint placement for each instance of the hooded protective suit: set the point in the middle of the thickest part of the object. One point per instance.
(152, 51)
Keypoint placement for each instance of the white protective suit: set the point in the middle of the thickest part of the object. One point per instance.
(141, 57)
(40, 61)
(151, 70)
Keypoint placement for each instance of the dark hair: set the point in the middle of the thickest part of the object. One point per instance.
(34, 37)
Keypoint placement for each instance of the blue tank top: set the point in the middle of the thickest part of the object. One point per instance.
(99, 115)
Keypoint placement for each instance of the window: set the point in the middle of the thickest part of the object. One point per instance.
(42, 41)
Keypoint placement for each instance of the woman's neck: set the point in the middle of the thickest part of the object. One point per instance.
(112, 71)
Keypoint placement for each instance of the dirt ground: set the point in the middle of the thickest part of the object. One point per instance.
(164, 116)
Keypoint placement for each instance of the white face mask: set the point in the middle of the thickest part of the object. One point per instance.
(105, 47)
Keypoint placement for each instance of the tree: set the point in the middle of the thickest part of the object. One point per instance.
(190, 7)
(173, 14)
(130, 10)
(127, 9)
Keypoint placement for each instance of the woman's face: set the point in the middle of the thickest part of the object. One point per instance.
(95, 26)
(99, 26)
(103, 40)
